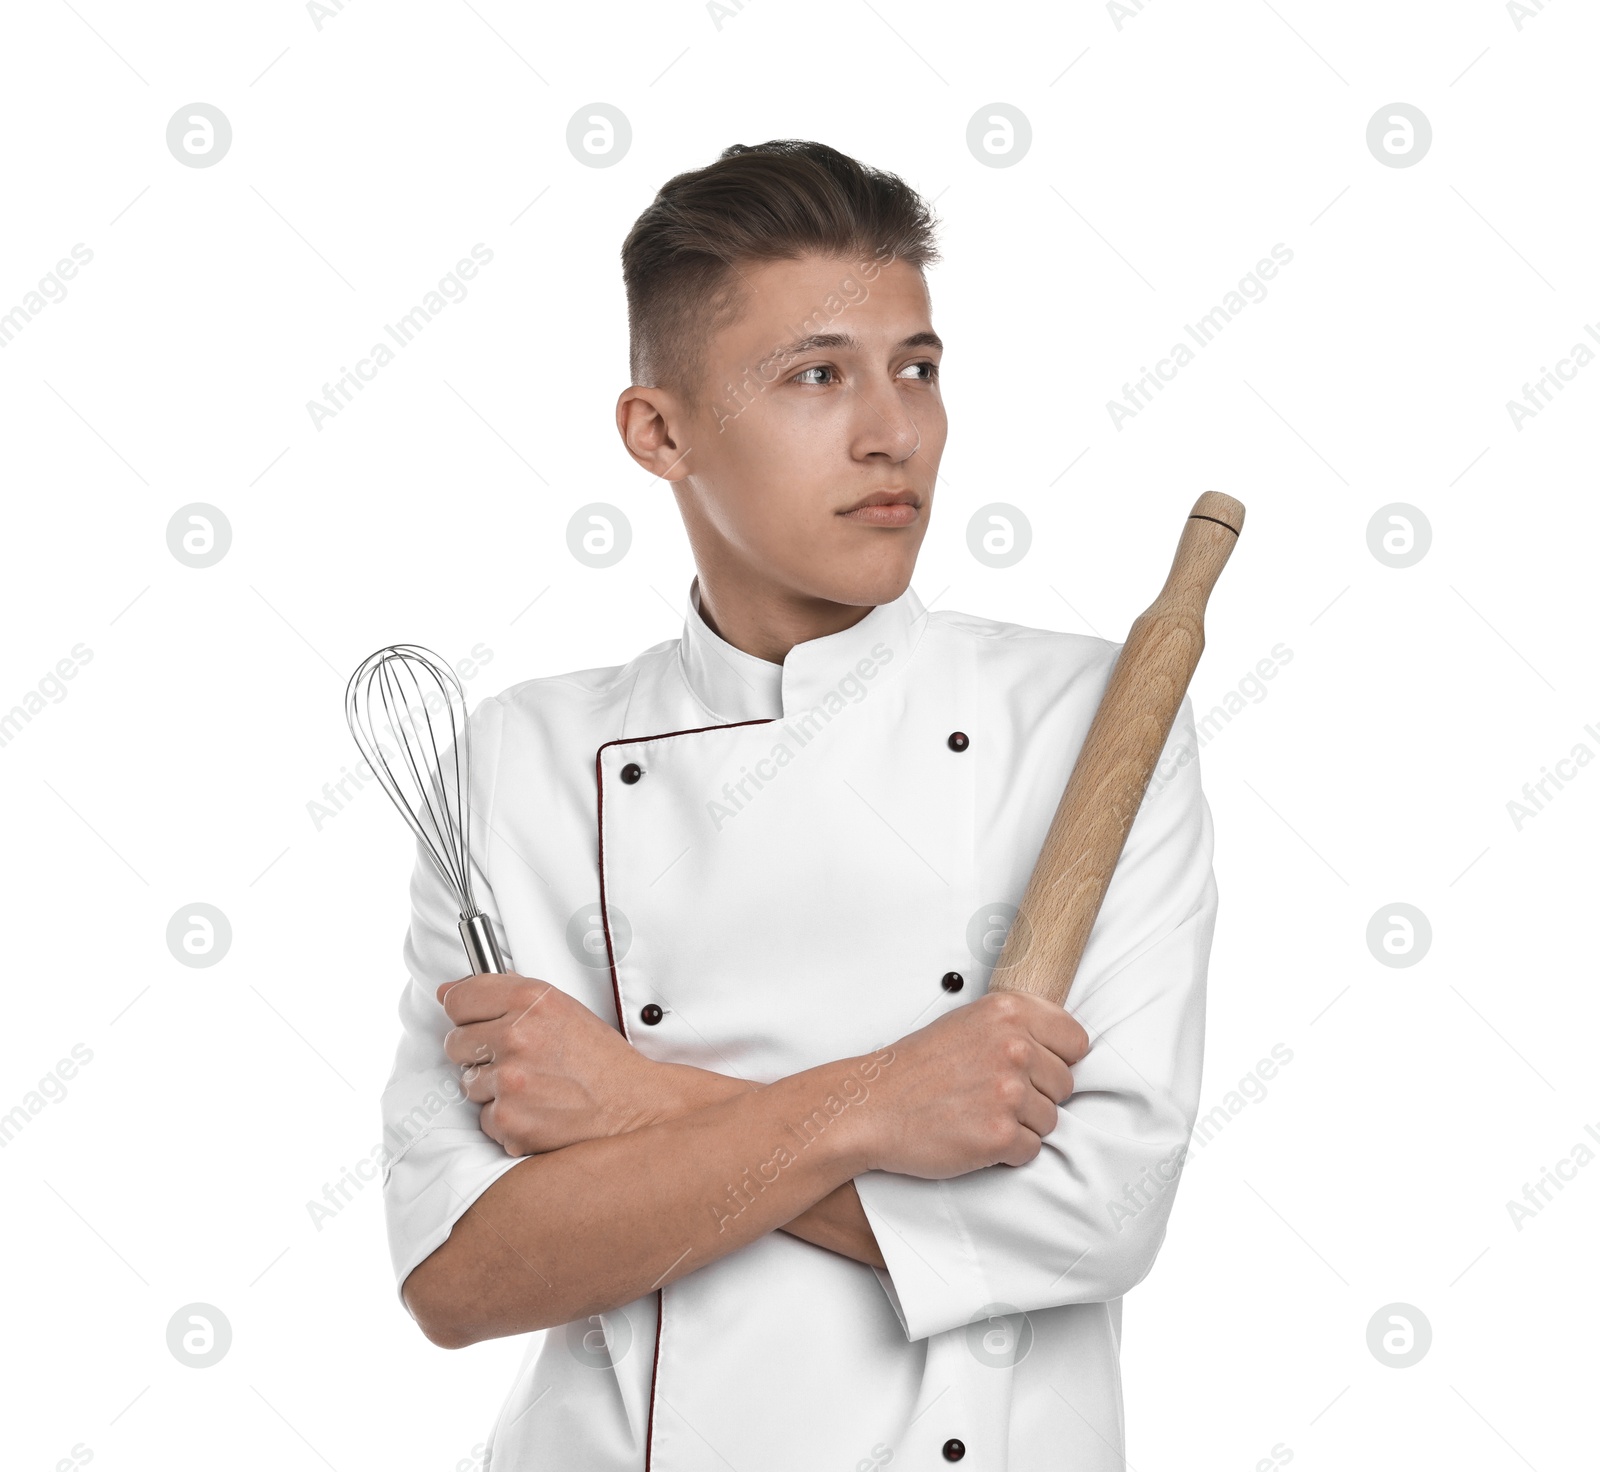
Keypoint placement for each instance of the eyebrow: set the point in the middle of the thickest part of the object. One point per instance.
(850, 344)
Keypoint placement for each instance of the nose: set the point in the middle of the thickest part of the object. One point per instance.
(885, 425)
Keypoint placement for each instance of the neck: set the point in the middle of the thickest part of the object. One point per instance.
(768, 621)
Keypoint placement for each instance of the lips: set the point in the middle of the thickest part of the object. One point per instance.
(885, 508)
(886, 498)
(901, 513)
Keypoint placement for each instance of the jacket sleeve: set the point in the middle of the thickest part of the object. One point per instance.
(436, 1161)
(1083, 1220)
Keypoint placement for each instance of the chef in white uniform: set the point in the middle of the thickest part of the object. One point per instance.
(729, 909)
(759, 867)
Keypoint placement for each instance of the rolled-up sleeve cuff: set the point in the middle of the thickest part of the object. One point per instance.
(933, 1279)
(428, 1189)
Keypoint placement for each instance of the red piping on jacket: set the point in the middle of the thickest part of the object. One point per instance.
(616, 988)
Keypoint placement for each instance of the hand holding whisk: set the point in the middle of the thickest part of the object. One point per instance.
(427, 773)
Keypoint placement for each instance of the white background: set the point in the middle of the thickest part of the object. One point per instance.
(1169, 154)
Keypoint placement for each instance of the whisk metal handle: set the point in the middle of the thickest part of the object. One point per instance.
(482, 951)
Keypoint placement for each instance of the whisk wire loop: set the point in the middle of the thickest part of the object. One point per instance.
(400, 685)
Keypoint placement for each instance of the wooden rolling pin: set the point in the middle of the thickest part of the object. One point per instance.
(1107, 785)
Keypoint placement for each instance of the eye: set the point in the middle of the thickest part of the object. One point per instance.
(930, 374)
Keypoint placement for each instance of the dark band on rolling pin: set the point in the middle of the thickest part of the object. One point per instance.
(1196, 516)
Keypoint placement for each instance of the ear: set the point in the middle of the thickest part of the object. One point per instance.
(651, 422)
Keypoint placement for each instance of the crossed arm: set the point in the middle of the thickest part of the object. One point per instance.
(621, 1163)
(836, 1222)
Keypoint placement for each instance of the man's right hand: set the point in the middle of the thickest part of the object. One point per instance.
(979, 1086)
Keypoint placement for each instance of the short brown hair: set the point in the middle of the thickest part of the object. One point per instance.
(775, 201)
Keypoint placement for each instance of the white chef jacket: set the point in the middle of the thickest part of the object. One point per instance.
(805, 867)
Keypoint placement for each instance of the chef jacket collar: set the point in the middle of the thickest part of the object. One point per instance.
(735, 686)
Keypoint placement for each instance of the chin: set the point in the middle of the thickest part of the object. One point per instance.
(868, 581)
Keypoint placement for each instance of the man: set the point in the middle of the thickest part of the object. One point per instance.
(787, 1185)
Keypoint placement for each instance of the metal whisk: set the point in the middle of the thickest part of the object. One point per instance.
(403, 686)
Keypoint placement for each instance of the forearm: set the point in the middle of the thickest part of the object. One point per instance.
(836, 1222)
(585, 1229)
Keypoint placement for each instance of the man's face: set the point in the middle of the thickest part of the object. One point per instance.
(824, 392)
